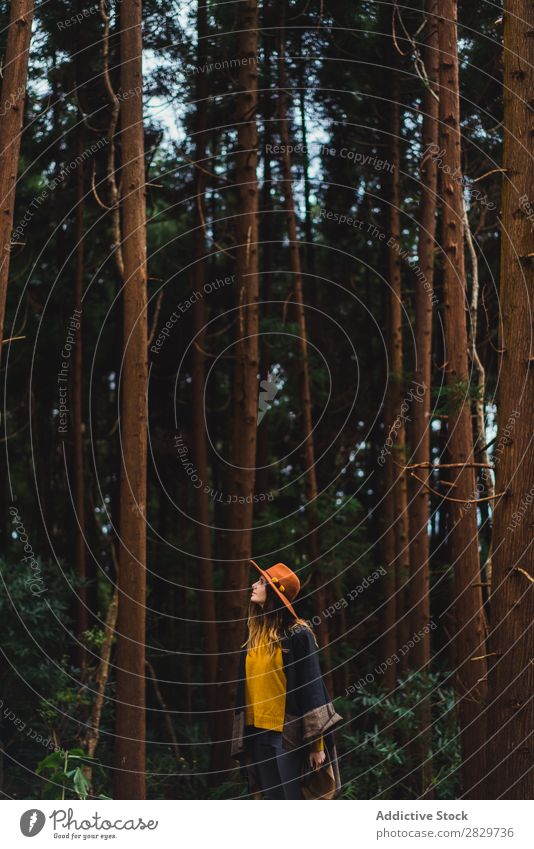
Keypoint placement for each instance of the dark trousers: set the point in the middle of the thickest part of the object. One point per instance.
(278, 769)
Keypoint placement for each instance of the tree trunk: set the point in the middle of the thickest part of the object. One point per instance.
(77, 415)
(480, 439)
(266, 236)
(129, 778)
(203, 531)
(14, 77)
(470, 624)
(388, 643)
(245, 383)
(511, 677)
(320, 579)
(309, 265)
(419, 598)
(92, 733)
(396, 372)
(395, 500)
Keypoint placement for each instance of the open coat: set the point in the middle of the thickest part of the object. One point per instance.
(309, 713)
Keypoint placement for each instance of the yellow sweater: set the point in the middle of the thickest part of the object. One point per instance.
(265, 691)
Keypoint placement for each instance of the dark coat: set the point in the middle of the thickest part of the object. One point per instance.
(309, 712)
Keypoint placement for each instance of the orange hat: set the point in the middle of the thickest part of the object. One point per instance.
(283, 581)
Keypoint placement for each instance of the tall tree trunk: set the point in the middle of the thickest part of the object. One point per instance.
(396, 366)
(480, 439)
(77, 414)
(14, 77)
(203, 532)
(396, 458)
(92, 732)
(245, 382)
(388, 641)
(113, 201)
(266, 235)
(511, 677)
(320, 578)
(129, 778)
(419, 590)
(470, 624)
(309, 264)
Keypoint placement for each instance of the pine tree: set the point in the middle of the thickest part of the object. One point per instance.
(241, 479)
(130, 727)
(470, 635)
(203, 532)
(320, 579)
(14, 76)
(419, 587)
(511, 674)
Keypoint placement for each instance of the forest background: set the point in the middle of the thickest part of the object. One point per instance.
(267, 296)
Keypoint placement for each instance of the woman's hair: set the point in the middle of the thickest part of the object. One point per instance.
(267, 624)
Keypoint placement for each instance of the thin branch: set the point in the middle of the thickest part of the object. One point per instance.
(427, 465)
(11, 339)
(457, 500)
(168, 720)
(15, 433)
(100, 203)
(93, 733)
(113, 429)
(111, 177)
(207, 171)
(480, 421)
(207, 353)
(395, 12)
(487, 174)
(155, 319)
(204, 227)
(523, 572)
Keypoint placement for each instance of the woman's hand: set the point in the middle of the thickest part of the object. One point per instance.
(315, 759)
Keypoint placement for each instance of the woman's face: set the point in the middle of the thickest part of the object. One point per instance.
(259, 592)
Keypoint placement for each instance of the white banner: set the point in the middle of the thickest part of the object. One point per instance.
(359, 824)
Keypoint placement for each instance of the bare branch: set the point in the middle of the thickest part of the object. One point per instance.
(155, 319)
(457, 500)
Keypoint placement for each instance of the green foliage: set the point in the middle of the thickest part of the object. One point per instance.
(451, 398)
(65, 774)
(42, 694)
(378, 757)
(34, 626)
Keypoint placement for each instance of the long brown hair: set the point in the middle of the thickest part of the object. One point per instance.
(270, 622)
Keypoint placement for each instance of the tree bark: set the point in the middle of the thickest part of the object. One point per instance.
(245, 383)
(388, 643)
(309, 264)
(470, 633)
(266, 236)
(203, 531)
(92, 734)
(14, 78)
(511, 676)
(397, 457)
(479, 421)
(129, 778)
(77, 416)
(320, 579)
(419, 589)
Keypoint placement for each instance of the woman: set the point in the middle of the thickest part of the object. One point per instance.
(284, 716)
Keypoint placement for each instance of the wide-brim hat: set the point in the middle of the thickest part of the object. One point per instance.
(283, 581)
